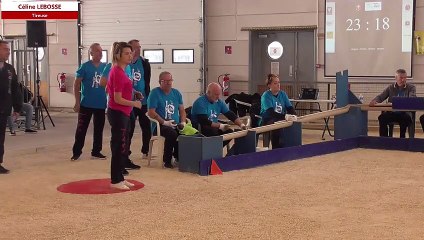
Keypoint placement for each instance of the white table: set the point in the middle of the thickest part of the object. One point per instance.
(317, 103)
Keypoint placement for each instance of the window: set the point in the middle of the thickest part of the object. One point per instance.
(154, 55)
(182, 55)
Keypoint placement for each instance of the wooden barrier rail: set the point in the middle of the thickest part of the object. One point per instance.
(325, 114)
(284, 124)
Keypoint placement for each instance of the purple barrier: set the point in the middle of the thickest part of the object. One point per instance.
(251, 160)
(386, 143)
(408, 103)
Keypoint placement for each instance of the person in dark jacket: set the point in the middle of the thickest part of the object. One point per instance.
(399, 89)
(10, 95)
(140, 75)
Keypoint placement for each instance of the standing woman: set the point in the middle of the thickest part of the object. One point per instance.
(119, 88)
(274, 105)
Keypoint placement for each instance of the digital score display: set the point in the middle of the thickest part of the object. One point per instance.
(370, 39)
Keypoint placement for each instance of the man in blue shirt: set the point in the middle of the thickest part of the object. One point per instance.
(140, 74)
(90, 99)
(165, 104)
(205, 112)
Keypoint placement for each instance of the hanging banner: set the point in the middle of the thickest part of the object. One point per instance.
(39, 10)
(419, 42)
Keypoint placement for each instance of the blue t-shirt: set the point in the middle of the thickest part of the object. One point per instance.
(279, 103)
(137, 75)
(202, 106)
(166, 105)
(107, 68)
(92, 94)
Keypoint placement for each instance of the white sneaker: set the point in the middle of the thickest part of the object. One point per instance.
(120, 186)
(128, 184)
(174, 162)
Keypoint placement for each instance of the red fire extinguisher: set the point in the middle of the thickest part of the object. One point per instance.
(61, 79)
(224, 81)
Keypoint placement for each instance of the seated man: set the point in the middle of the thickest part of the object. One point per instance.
(399, 89)
(27, 108)
(165, 104)
(206, 110)
(422, 121)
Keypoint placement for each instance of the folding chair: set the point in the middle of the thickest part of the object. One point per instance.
(159, 140)
(411, 127)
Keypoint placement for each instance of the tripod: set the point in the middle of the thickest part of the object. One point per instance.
(39, 103)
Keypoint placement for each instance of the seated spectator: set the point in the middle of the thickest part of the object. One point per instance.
(399, 89)
(422, 121)
(274, 105)
(165, 104)
(28, 110)
(206, 110)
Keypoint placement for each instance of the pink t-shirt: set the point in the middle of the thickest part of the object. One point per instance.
(119, 82)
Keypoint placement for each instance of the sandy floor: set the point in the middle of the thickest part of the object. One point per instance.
(357, 194)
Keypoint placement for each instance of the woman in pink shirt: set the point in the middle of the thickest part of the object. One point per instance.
(120, 91)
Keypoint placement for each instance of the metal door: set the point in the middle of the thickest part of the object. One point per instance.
(295, 66)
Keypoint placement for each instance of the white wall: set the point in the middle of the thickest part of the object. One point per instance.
(179, 27)
(225, 18)
(61, 34)
(164, 24)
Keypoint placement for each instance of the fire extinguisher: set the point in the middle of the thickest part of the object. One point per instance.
(61, 79)
(224, 81)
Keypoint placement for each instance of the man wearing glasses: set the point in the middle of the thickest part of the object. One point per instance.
(165, 104)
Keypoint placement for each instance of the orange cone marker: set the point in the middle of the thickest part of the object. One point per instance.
(215, 170)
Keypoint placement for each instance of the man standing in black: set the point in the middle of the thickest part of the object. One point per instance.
(10, 95)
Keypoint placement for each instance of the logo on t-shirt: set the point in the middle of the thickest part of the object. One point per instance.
(278, 107)
(169, 109)
(136, 76)
(213, 115)
(96, 80)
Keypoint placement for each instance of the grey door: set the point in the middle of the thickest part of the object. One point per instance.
(25, 62)
(295, 67)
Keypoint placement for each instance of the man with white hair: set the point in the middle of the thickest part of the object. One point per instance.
(206, 110)
(90, 100)
(165, 104)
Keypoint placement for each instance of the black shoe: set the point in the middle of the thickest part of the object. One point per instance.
(3, 170)
(75, 157)
(125, 172)
(98, 155)
(30, 131)
(130, 165)
(168, 165)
